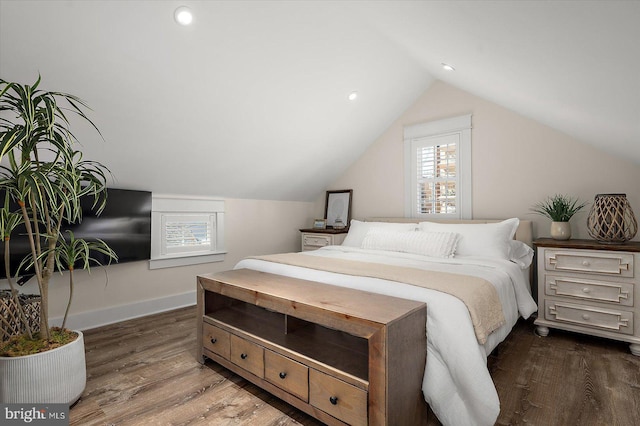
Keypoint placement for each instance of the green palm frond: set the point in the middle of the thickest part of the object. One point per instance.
(76, 253)
(9, 220)
(559, 208)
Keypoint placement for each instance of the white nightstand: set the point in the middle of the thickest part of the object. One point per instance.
(589, 287)
(313, 239)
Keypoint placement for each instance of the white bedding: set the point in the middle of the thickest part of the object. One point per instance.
(456, 382)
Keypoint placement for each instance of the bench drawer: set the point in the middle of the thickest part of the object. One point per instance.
(216, 340)
(247, 355)
(342, 400)
(287, 374)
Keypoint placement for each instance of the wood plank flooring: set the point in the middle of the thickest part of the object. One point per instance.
(565, 379)
(144, 372)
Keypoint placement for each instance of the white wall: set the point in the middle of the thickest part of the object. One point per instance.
(516, 163)
(252, 227)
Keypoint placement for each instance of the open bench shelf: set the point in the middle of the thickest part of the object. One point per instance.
(334, 348)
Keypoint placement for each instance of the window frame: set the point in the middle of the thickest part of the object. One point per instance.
(424, 134)
(187, 208)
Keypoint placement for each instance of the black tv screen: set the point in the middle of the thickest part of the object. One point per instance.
(124, 224)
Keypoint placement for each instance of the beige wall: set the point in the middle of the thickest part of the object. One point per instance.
(516, 162)
(251, 227)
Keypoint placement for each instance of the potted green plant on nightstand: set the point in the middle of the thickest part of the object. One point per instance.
(44, 176)
(560, 209)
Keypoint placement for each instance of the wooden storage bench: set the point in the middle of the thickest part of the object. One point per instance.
(341, 355)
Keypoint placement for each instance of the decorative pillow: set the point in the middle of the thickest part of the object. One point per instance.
(434, 244)
(479, 239)
(520, 253)
(358, 230)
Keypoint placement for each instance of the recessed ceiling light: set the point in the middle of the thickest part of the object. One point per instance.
(352, 96)
(448, 67)
(183, 15)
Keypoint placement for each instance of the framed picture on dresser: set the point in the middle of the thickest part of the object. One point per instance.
(337, 209)
(320, 224)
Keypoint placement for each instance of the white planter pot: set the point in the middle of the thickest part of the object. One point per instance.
(560, 230)
(55, 376)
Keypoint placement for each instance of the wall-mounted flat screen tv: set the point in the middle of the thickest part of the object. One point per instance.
(124, 224)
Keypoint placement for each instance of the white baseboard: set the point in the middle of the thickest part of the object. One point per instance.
(93, 319)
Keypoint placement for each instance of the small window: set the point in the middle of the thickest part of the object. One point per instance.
(438, 169)
(186, 231)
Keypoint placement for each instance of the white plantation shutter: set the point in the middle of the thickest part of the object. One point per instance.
(436, 176)
(438, 169)
(186, 231)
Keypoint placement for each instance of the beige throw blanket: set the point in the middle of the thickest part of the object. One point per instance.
(479, 295)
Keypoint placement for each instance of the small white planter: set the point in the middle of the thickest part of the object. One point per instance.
(55, 376)
(560, 230)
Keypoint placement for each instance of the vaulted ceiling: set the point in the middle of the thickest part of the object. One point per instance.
(250, 101)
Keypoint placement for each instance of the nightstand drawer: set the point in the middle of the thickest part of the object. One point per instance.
(612, 292)
(590, 316)
(598, 262)
(316, 240)
(287, 374)
(215, 340)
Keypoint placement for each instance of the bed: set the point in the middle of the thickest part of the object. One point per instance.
(456, 382)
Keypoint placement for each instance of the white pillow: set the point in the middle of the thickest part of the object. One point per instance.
(520, 253)
(358, 230)
(479, 239)
(434, 244)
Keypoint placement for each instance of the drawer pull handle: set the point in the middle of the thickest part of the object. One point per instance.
(282, 374)
(213, 340)
(243, 356)
(586, 317)
(333, 400)
(586, 290)
(585, 263)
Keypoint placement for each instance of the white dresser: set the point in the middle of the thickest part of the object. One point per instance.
(589, 287)
(313, 239)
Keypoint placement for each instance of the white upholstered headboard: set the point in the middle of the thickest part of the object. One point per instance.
(524, 232)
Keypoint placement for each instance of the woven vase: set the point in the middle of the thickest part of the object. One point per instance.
(12, 323)
(611, 219)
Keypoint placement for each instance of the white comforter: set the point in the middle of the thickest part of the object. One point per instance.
(456, 382)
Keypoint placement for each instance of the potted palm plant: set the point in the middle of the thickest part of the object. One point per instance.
(560, 209)
(43, 177)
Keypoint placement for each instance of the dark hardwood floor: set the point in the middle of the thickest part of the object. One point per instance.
(144, 372)
(565, 379)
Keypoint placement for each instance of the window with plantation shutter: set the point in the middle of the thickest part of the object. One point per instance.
(438, 169)
(186, 231)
